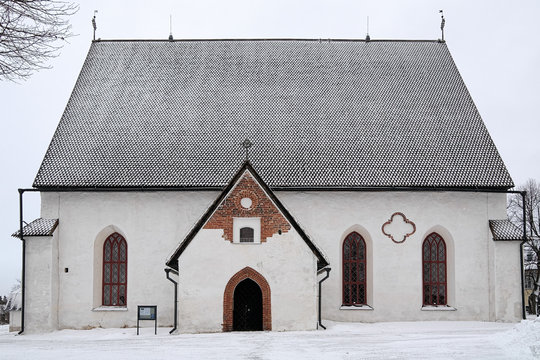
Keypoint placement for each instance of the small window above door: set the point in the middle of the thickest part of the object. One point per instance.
(246, 234)
(247, 230)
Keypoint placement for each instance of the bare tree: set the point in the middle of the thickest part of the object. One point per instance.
(31, 32)
(532, 224)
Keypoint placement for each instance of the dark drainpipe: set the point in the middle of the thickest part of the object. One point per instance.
(524, 314)
(320, 294)
(168, 271)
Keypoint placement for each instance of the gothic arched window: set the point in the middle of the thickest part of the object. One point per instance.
(434, 270)
(115, 271)
(354, 270)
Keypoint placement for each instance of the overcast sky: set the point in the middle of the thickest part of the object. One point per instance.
(495, 46)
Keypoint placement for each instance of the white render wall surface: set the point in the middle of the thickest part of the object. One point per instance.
(154, 223)
(41, 274)
(395, 270)
(209, 262)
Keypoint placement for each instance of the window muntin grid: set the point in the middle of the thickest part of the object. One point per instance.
(354, 270)
(114, 271)
(434, 271)
(247, 234)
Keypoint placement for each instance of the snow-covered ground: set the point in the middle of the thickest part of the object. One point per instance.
(403, 340)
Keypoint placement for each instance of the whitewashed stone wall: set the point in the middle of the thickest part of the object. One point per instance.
(209, 262)
(483, 275)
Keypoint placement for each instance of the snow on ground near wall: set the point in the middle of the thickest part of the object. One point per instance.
(403, 340)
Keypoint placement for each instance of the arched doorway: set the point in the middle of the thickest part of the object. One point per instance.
(247, 312)
(247, 287)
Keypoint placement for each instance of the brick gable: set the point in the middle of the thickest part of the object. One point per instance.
(272, 220)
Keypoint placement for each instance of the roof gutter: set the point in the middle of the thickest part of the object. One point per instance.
(502, 189)
(21, 236)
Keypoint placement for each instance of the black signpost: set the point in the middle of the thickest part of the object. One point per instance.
(147, 312)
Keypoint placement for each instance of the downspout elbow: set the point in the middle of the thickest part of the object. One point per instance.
(168, 271)
(320, 294)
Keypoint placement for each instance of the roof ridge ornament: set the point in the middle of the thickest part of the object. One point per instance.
(443, 21)
(94, 24)
(170, 28)
(368, 38)
(246, 144)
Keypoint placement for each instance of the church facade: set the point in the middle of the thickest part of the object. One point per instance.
(369, 190)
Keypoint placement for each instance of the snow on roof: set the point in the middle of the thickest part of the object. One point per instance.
(38, 227)
(320, 114)
(505, 230)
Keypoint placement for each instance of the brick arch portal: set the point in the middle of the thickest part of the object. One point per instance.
(228, 297)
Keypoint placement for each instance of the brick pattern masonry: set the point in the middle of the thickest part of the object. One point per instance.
(228, 298)
(271, 218)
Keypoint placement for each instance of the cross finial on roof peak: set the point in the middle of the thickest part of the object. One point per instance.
(247, 144)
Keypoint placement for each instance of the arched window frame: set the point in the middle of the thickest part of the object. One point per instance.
(434, 271)
(354, 270)
(115, 257)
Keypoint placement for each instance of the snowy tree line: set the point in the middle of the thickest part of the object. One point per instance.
(531, 248)
(12, 302)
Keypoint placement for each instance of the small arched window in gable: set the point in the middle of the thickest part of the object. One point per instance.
(354, 270)
(434, 270)
(247, 234)
(115, 271)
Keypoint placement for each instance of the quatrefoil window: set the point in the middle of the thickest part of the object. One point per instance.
(398, 228)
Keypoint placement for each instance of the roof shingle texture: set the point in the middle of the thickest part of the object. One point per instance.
(38, 227)
(321, 114)
(505, 230)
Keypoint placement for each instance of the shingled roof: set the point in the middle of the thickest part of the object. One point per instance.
(321, 114)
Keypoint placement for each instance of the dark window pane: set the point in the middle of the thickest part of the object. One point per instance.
(354, 274)
(354, 293)
(106, 295)
(114, 294)
(442, 255)
(122, 273)
(123, 251)
(107, 273)
(114, 271)
(246, 234)
(115, 251)
(347, 294)
(442, 273)
(107, 251)
(361, 294)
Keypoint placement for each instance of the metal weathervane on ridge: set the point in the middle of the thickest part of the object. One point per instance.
(246, 144)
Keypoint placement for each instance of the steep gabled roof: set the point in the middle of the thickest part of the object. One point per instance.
(173, 260)
(321, 114)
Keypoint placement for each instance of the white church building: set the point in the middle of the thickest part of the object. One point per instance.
(247, 169)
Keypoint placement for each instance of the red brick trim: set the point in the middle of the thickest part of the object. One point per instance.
(272, 220)
(228, 298)
(405, 220)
